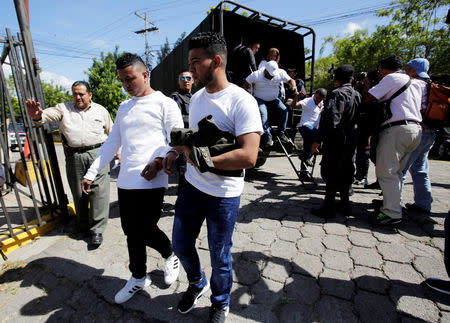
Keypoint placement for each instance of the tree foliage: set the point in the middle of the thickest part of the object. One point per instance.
(105, 85)
(180, 39)
(415, 30)
(322, 77)
(54, 94)
(165, 48)
(163, 51)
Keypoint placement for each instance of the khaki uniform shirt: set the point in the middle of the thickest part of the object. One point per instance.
(81, 128)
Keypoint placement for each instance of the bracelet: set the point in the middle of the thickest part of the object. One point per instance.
(173, 151)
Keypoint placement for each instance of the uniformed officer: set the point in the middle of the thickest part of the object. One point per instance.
(337, 132)
(85, 125)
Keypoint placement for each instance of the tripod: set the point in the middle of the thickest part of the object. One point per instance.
(309, 178)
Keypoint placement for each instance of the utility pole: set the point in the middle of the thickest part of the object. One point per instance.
(146, 31)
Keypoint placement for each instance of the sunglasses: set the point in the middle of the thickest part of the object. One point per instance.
(185, 78)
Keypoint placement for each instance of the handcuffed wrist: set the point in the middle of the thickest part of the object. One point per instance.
(173, 151)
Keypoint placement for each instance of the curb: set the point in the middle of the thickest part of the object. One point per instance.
(10, 244)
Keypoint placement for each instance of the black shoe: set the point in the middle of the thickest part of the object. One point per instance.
(218, 314)
(440, 285)
(269, 142)
(97, 239)
(373, 186)
(190, 297)
(343, 208)
(324, 213)
(305, 177)
(412, 207)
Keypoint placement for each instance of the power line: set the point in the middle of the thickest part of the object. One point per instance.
(343, 16)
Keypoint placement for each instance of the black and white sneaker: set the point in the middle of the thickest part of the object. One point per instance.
(218, 314)
(171, 269)
(190, 297)
(132, 286)
(439, 285)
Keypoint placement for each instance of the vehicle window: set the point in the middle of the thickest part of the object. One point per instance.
(20, 127)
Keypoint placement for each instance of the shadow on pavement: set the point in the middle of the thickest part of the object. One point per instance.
(290, 293)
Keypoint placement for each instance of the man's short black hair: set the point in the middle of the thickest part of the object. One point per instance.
(128, 59)
(321, 91)
(344, 73)
(213, 43)
(391, 63)
(291, 70)
(82, 83)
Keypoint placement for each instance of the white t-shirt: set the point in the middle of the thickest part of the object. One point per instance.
(142, 127)
(310, 112)
(264, 88)
(405, 106)
(233, 110)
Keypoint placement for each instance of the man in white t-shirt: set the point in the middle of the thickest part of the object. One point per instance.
(266, 87)
(142, 127)
(309, 122)
(208, 195)
(399, 136)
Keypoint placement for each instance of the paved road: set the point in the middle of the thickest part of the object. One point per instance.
(289, 266)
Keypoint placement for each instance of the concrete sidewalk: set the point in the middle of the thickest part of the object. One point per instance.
(289, 266)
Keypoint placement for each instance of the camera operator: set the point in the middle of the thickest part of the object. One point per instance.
(363, 148)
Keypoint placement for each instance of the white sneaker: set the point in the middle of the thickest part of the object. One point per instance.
(132, 286)
(171, 269)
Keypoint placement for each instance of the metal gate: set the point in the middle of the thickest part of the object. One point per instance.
(40, 196)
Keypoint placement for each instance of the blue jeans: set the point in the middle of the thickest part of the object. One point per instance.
(418, 167)
(274, 106)
(191, 209)
(309, 135)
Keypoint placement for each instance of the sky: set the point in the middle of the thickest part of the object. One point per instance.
(68, 34)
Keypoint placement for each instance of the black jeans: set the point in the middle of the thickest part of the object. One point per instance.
(337, 171)
(140, 211)
(362, 160)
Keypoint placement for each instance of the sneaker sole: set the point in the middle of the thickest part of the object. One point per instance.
(387, 223)
(196, 299)
(438, 289)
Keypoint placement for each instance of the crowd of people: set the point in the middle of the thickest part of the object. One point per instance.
(331, 123)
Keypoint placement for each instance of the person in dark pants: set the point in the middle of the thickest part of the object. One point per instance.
(182, 97)
(142, 127)
(441, 285)
(337, 132)
(207, 196)
(84, 125)
(308, 126)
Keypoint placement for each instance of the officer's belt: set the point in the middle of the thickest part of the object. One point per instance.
(84, 149)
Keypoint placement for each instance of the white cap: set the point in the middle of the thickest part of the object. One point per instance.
(271, 67)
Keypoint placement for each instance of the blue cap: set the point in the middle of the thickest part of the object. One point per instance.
(421, 65)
